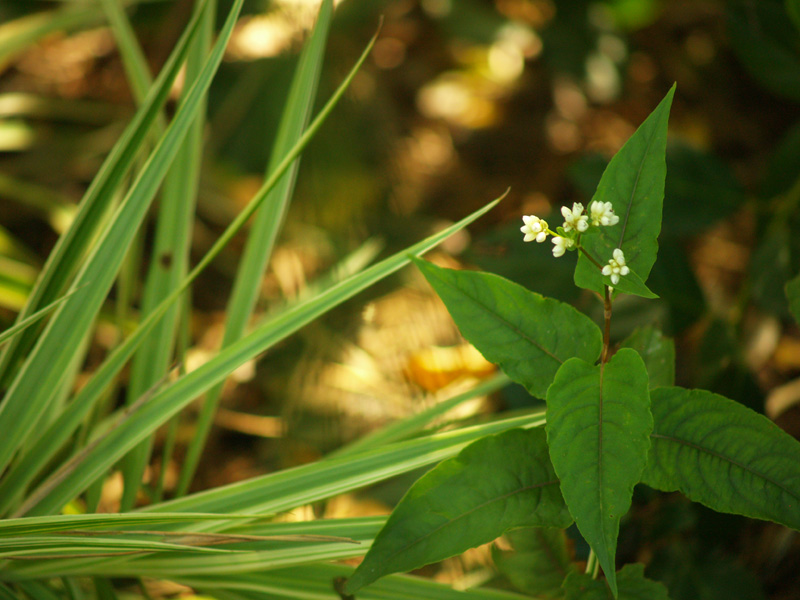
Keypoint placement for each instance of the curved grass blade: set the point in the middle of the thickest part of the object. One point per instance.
(467, 501)
(598, 427)
(32, 390)
(634, 184)
(63, 486)
(28, 321)
(68, 254)
(266, 224)
(723, 455)
(319, 581)
(24, 470)
(527, 335)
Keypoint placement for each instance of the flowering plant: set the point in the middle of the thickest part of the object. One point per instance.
(614, 417)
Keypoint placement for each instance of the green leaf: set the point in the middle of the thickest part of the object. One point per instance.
(634, 184)
(793, 295)
(539, 562)
(657, 352)
(633, 585)
(723, 455)
(494, 484)
(793, 10)
(598, 423)
(527, 335)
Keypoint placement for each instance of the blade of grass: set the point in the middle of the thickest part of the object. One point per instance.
(68, 253)
(170, 258)
(31, 391)
(57, 491)
(266, 223)
(47, 445)
(406, 428)
(133, 58)
(28, 321)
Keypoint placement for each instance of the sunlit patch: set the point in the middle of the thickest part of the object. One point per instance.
(436, 367)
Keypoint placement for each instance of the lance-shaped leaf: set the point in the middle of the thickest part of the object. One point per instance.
(657, 352)
(723, 455)
(527, 335)
(598, 427)
(634, 184)
(497, 483)
(633, 585)
(539, 562)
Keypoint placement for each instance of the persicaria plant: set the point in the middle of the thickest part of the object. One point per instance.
(613, 419)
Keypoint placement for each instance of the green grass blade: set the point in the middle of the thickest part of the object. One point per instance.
(27, 322)
(45, 447)
(302, 485)
(266, 223)
(133, 58)
(317, 581)
(174, 225)
(169, 401)
(410, 426)
(31, 391)
(68, 253)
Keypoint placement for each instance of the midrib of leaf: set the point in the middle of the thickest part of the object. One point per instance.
(468, 513)
(725, 458)
(600, 454)
(500, 319)
(635, 187)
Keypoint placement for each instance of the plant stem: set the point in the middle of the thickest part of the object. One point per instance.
(607, 323)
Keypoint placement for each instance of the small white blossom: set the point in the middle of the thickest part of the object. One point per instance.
(534, 229)
(616, 267)
(575, 219)
(561, 245)
(603, 214)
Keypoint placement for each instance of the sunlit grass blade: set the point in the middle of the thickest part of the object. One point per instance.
(302, 485)
(266, 223)
(171, 247)
(24, 470)
(276, 545)
(32, 389)
(68, 254)
(410, 426)
(317, 581)
(169, 401)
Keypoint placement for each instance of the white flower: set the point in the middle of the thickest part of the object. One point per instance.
(561, 245)
(616, 267)
(534, 229)
(575, 219)
(603, 214)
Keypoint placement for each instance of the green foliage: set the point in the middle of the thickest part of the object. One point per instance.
(468, 501)
(528, 335)
(793, 295)
(598, 427)
(633, 585)
(723, 455)
(634, 184)
(657, 352)
(539, 562)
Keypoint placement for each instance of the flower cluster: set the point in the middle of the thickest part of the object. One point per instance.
(616, 267)
(577, 222)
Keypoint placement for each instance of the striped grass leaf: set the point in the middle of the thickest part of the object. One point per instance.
(25, 469)
(267, 222)
(68, 254)
(82, 470)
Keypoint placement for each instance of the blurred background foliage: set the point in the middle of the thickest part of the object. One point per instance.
(460, 100)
